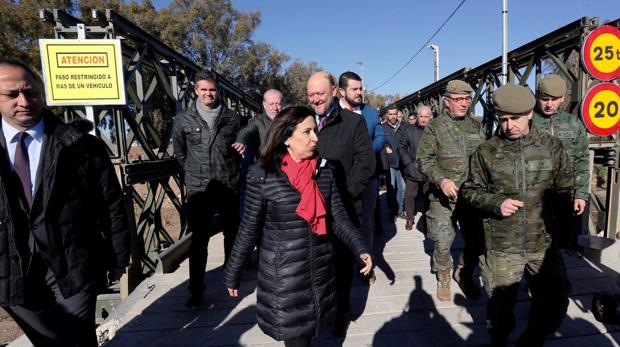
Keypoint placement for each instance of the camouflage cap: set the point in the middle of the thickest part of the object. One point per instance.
(458, 87)
(553, 86)
(514, 99)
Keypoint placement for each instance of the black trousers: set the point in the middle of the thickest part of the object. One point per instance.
(298, 342)
(345, 262)
(216, 199)
(48, 319)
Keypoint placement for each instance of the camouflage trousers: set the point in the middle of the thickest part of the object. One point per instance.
(443, 219)
(548, 284)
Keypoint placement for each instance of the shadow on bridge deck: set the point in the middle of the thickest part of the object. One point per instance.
(399, 310)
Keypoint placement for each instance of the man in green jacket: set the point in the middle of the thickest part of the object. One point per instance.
(570, 131)
(517, 181)
(443, 156)
(256, 129)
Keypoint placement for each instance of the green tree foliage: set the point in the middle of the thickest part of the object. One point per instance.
(212, 33)
(21, 28)
(379, 100)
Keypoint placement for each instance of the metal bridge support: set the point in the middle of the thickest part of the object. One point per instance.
(557, 52)
(158, 82)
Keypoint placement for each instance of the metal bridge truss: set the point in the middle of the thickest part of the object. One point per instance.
(158, 83)
(559, 51)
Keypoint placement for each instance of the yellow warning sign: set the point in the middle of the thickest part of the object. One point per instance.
(82, 72)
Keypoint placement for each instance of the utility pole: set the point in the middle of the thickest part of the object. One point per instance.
(504, 41)
(435, 49)
(361, 63)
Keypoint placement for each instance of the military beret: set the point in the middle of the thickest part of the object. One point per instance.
(458, 87)
(514, 99)
(552, 85)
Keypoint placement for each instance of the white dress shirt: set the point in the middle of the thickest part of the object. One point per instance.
(33, 143)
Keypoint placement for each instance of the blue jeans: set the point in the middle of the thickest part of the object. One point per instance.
(396, 191)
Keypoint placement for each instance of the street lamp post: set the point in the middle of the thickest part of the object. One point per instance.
(361, 63)
(435, 49)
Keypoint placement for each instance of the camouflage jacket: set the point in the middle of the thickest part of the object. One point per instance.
(574, 137)
(534, 169)
(445, 148)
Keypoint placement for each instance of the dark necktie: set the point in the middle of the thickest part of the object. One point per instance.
(350, 109)
(21, 165)
(322, 121)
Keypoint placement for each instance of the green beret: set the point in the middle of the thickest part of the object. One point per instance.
(514, 99)
(553, 86)
(458, 87)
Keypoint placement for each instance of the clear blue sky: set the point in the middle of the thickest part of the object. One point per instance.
(385, 34)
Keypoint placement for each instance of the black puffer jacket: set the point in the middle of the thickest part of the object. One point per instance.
(206, 154)
(296, 285)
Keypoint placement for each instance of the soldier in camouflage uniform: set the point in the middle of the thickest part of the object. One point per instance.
(516, 180)
(571, 132)
(443, 155)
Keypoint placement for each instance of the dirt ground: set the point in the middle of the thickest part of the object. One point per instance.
(9, 330)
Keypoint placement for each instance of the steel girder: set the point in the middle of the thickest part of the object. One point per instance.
(158, 82)
(559, 50)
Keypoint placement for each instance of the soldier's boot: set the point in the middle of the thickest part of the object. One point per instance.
(466, 283)
(531, 339)
(443, 285)
(499, 340)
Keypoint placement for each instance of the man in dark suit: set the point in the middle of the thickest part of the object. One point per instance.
(344, 140)
(63, 222)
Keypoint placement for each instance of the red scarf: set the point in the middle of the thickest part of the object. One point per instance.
(311, 207)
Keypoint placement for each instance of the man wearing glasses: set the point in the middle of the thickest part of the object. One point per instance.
(443, 155)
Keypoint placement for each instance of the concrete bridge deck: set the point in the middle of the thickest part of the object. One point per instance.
(398, 310)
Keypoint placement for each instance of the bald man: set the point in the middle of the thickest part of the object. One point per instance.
(345, 141)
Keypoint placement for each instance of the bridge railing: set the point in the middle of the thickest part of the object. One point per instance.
(558, 52)
(158, 84)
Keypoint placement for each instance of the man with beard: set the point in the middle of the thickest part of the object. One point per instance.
(443, 155)
(415, 182)
(567, 128)
(350, 89)
(393, 130)
(344, 140)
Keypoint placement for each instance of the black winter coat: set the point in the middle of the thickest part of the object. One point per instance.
(206, 154)
(296, 291)
(78, 201)
(407, 148)
(344, 141)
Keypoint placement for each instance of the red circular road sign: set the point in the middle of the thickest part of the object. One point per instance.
(600, 109)
(601, 53)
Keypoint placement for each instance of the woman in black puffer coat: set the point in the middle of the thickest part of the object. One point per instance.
(296, 220)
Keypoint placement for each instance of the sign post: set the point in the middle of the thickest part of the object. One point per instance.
(82, 72)
(600, 109)
(600, 53)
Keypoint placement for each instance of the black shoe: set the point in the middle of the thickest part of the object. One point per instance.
(466, 283)
(195, 300)
(341, 325)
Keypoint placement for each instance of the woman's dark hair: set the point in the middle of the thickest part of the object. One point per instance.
(284, 123)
